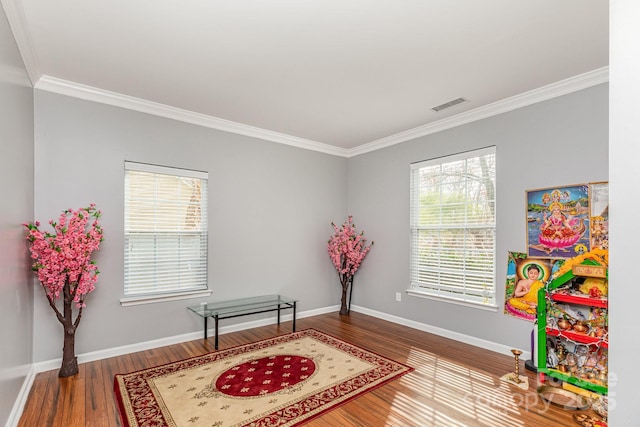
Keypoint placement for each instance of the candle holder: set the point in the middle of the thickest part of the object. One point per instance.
(516, 354)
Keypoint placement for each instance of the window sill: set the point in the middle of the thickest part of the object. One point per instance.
(151, 299)
(486, 307)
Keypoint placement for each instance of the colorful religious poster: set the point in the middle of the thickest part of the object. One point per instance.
(525, 276)
(558, 221)
(599, 203)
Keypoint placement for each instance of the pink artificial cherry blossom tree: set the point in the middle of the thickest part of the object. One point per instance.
(347, 249)
(62, 261)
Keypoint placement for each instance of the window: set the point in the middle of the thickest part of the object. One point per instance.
(453, 228)
(165, 230)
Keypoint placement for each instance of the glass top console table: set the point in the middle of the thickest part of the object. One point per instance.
(243, 307)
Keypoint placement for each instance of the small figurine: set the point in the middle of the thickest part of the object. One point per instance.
(582, 352)
(572, 363)
(592, 360)
(562, 352)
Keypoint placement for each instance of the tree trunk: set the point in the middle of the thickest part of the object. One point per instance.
(69, 360)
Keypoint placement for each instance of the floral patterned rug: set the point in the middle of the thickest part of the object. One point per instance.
(283, 381)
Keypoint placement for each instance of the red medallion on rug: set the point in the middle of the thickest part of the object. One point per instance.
(283, 381)
(265, 375)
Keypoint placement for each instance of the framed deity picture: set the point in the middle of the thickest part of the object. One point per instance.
(599, 206)
(558, 221)
(525, 276)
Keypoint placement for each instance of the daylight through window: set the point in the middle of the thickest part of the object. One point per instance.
(453, 228)
(165, 227)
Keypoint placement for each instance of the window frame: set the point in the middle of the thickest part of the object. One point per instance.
(201, 289)
(467, 294)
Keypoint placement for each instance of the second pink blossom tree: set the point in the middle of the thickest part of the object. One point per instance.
(347, 249)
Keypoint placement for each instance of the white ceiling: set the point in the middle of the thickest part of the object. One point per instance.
(330, 73)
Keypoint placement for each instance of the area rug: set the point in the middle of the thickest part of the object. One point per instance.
(282, 381)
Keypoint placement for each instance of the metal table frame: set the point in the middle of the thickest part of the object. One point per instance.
(243, 307)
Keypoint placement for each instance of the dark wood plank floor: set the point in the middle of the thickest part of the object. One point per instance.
(453, 384)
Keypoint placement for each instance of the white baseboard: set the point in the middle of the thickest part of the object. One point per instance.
(176, 339)
(48, 365)
(21, 399)
(467, 339)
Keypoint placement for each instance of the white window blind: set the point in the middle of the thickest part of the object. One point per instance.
(453, 227)
(165, 227)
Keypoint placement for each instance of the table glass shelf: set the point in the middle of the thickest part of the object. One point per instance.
(243, 307)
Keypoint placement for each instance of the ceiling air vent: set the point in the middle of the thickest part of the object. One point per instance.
(449, 104)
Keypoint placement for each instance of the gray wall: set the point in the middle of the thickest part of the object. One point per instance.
(270, 206)
(16, 192)
(558, 142)
(270, 209)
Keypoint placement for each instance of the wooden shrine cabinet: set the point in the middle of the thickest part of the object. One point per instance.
(572, 315)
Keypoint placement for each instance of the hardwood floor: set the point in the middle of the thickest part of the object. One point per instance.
(453, 384)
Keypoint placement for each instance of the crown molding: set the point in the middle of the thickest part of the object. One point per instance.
(563, 87)
(544, 93)
(18, 23)
(76, 90)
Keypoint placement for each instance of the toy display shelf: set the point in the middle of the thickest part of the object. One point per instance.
(559, 295)
(577, 337)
